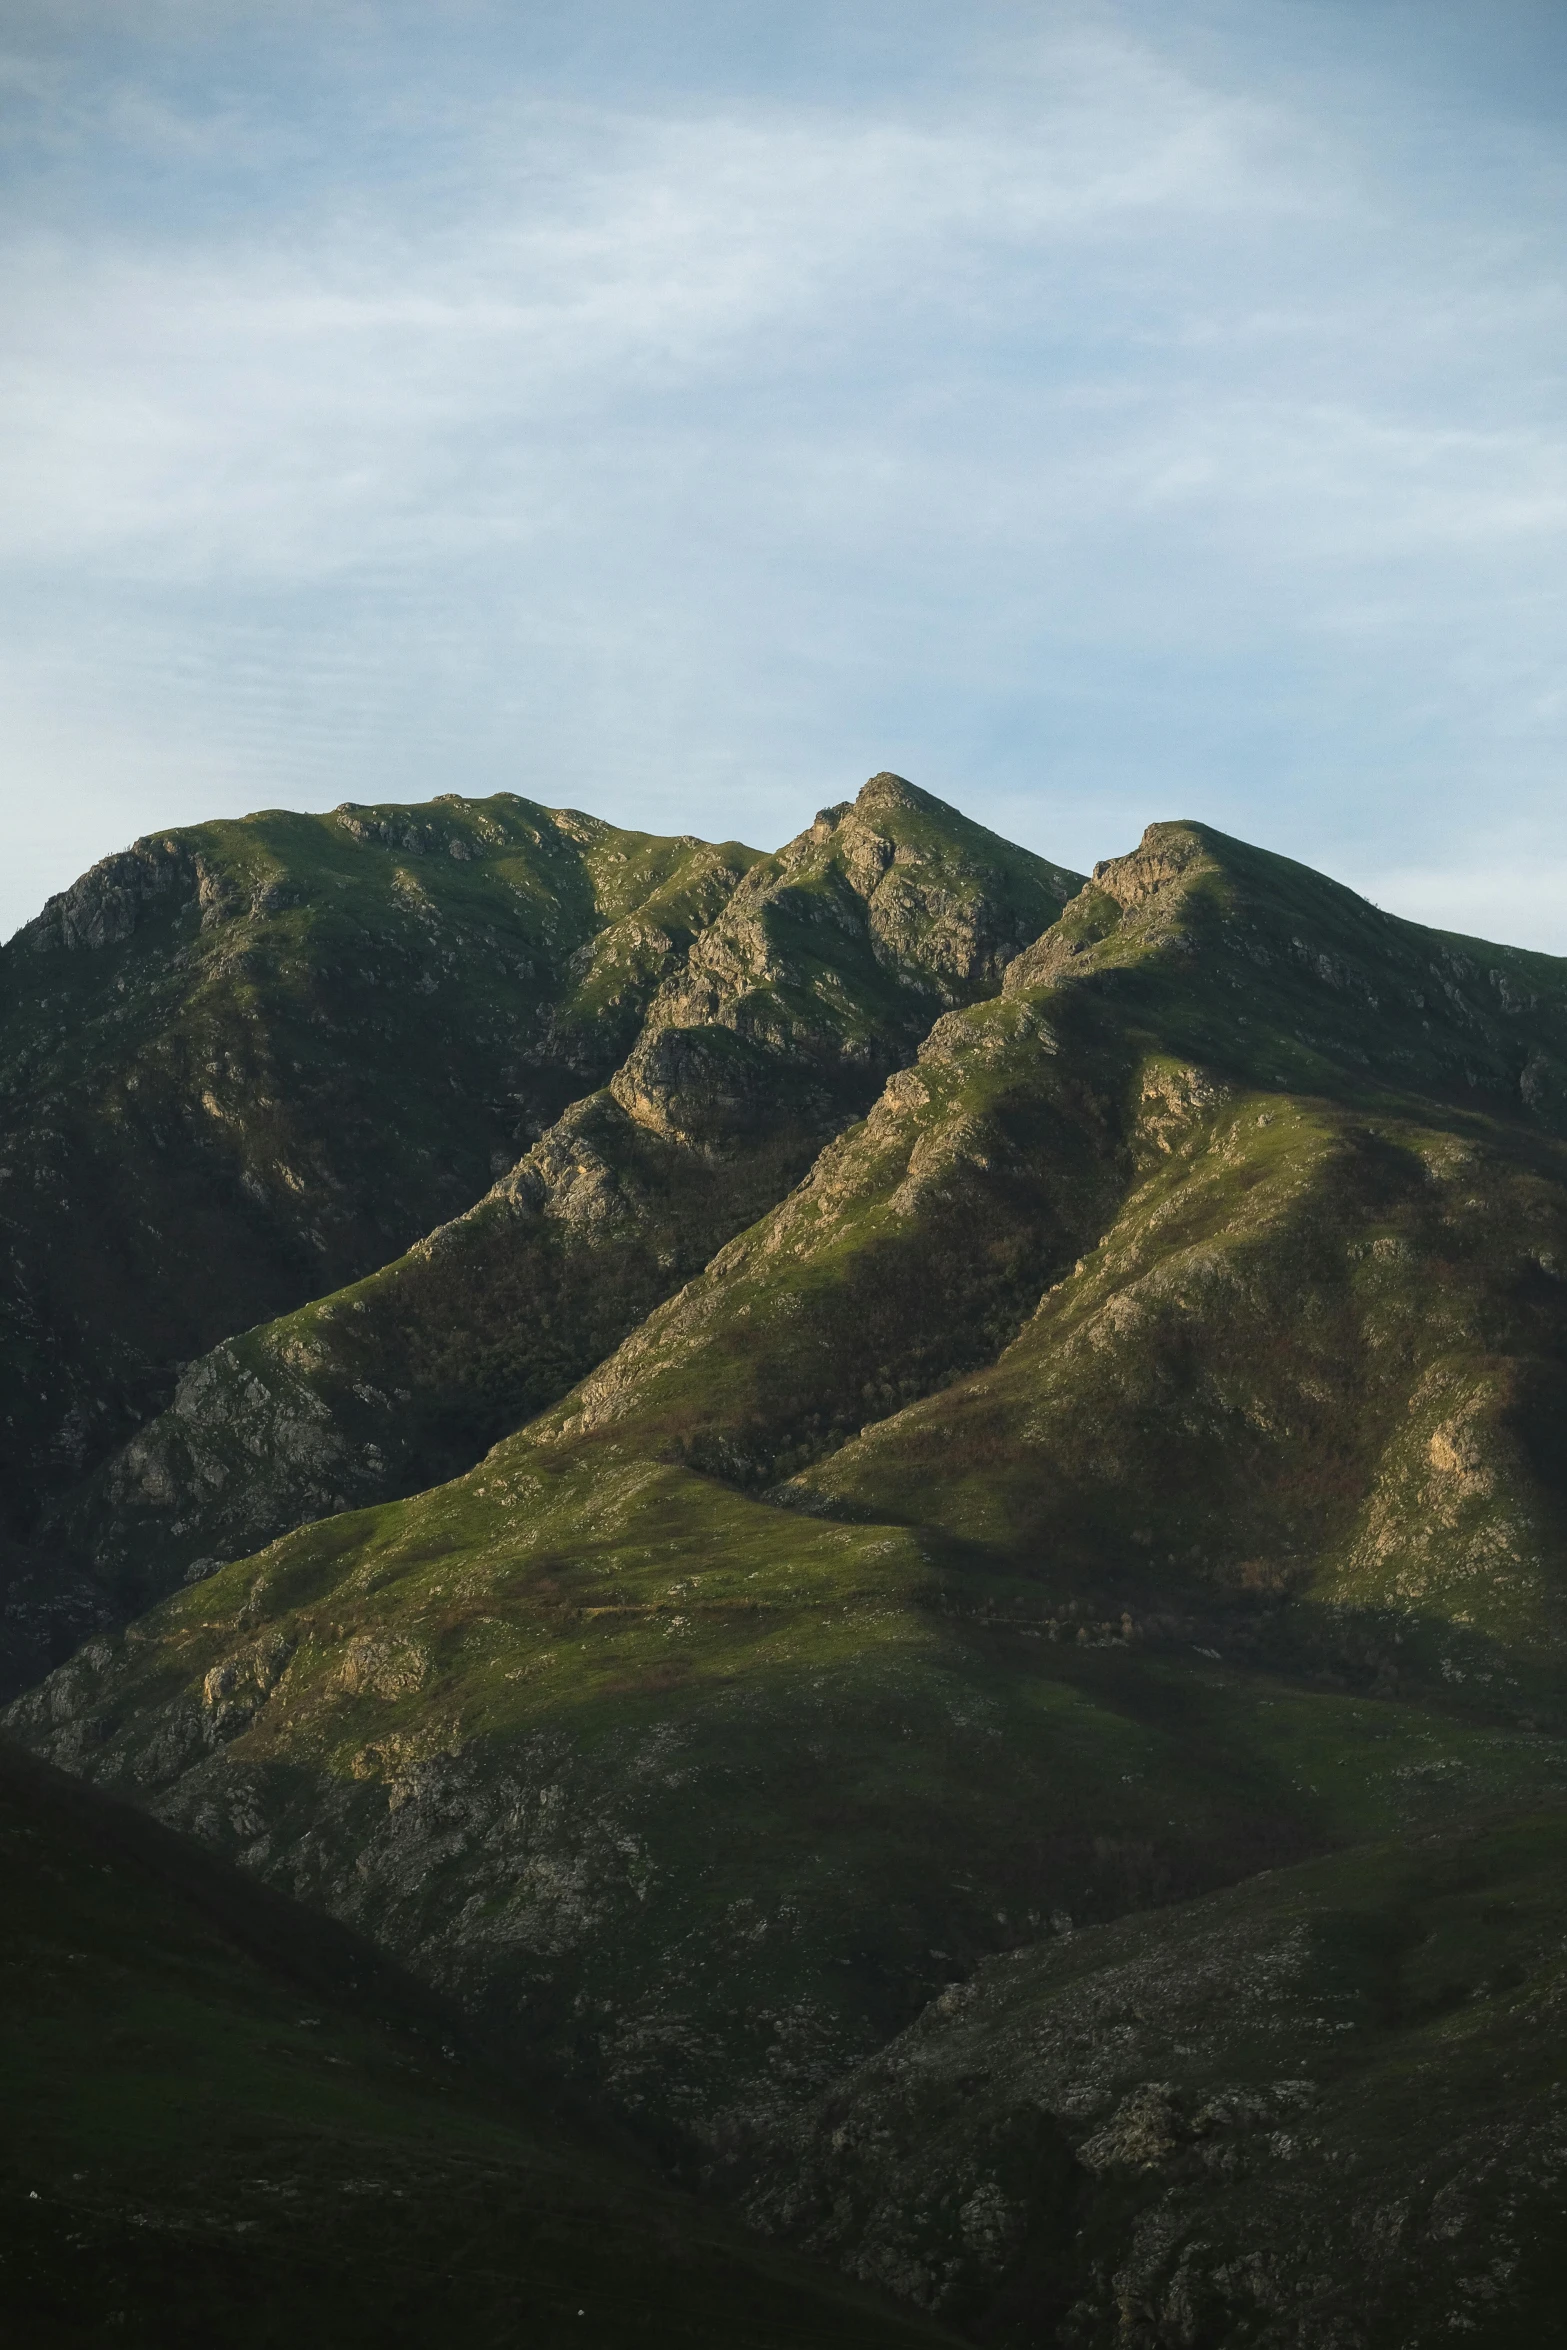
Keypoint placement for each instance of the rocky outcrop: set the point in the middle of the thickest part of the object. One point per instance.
(106, 904)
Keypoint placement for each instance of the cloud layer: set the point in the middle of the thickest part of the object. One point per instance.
(1093, 428)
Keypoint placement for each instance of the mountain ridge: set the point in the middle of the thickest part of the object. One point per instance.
(1125, 1462)
(763, 1038)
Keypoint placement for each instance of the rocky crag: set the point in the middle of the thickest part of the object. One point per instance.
(913, 1730)
(1310, 2109)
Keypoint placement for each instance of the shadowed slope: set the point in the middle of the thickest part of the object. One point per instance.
(1326, 2107)
(227, 2118)
(698, 1801)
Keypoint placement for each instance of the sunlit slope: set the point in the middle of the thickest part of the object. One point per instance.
(1312, 1356)
(245, 1062)
(227, 2119)
(704, 1794)
(1318, 1351)
(820, 974)
(1263, 1340)
(1324, 2107)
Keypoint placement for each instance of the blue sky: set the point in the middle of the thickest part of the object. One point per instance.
(1095, 412)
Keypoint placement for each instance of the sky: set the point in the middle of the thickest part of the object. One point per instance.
(1096, 412)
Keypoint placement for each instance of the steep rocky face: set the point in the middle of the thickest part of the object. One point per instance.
(845, 946)
(973, 1540)
(242, 1064)
(819, 974)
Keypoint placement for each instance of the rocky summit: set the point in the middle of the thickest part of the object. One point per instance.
(894, 1520)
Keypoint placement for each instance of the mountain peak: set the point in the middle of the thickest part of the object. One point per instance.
(1167, 852)
(887, 790)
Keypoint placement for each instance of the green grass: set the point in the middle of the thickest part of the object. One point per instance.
(717, 1765)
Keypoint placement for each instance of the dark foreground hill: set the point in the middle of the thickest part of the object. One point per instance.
(1109, 1508)
(228, 2120)
(1327, 2106)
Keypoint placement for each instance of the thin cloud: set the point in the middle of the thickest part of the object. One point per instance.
(1097, 437)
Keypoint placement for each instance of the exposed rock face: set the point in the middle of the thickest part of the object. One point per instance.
(117, 894)
(106, 904)
(782, 990)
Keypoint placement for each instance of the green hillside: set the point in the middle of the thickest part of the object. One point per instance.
(1318, 1351)
(1124, 1462)
(227, 2117)
(818, 976)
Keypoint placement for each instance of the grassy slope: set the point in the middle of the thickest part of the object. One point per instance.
(703, 1795)
(820, 974)
(1319, 1350)
(227, 2117)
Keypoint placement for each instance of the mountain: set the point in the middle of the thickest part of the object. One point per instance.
(191, 2154)
(817, 977)
(1110, 1503)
